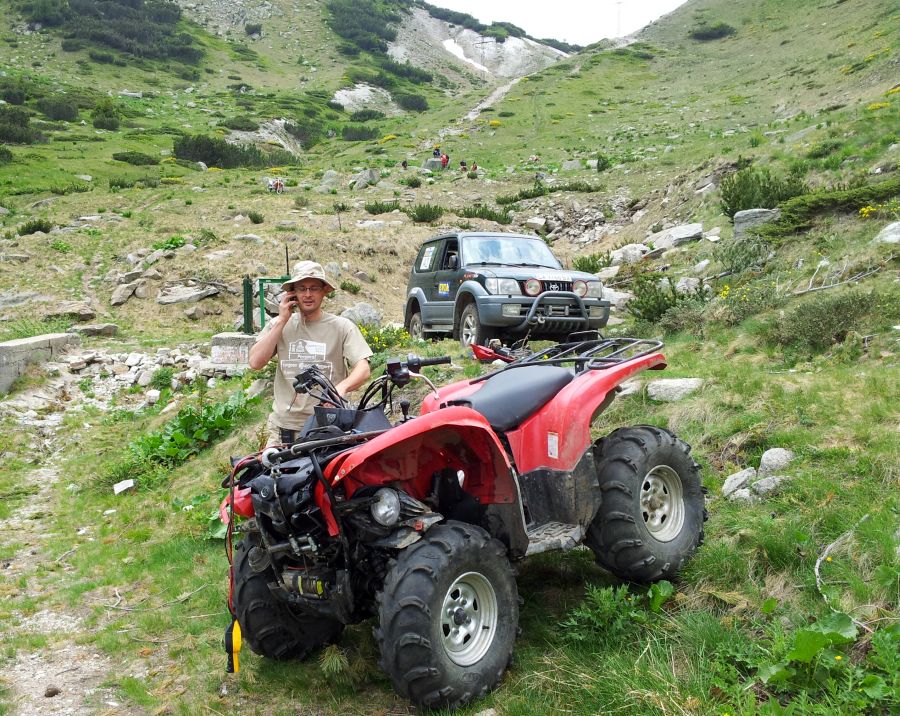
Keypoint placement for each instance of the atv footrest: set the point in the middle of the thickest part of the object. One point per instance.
(553, 535)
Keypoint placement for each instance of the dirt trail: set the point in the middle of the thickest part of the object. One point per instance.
(63, 678)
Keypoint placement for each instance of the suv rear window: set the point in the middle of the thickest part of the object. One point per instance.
(425, 259)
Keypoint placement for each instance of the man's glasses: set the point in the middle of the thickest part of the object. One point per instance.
(308, 289)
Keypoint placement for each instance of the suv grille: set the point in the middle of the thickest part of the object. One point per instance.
(551, 286)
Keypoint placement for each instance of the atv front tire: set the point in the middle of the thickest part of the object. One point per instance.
(269, 626)
(651, 516)
(448, 617)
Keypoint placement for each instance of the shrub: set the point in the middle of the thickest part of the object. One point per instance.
(170, 244)
(364, 115)
(253, 28)
(382, 207)
(425, 213)
(505, 113)
(129, 182)
(413, 182)
(350, 287)
(105, 114)
(824, 149)
(472, 175)
(63, 247)
(687, 317)
(358, 133)
(363, 23)
(162, 378)
(14, 91)
(404, 69)
(480, 211)
(705, 31)
(652, 300)
(75, 187)
(137, 159)
(217, 152)
(6, 155)
(746, 300)
(309, 133)
(592, 263)
(604, 162)
(411, 102)
(752, 188)
(59, 108)
(822, 319)
(14, 125)
(383, 338)
(240, 124)
(738, 255)
(255, 217)
(33, 226)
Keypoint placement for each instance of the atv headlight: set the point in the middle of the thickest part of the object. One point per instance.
(386, 508)
(498, 286)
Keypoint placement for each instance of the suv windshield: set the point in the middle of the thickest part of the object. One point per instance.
(511, 250)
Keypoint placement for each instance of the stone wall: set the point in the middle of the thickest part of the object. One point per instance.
(15, 356)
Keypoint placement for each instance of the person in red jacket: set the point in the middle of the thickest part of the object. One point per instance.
(445, 160)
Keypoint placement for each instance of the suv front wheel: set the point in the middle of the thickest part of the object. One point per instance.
(415, 328)
(471, 330)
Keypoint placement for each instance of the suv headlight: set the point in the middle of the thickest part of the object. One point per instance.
(507, 286)
(594, 289)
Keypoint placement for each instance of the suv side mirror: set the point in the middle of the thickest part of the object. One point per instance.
(453, 262)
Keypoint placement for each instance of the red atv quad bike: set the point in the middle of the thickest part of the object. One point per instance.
(417, 523)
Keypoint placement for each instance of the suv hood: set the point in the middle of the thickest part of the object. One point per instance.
(523, 273)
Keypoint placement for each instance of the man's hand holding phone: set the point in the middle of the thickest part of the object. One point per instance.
(287, 305)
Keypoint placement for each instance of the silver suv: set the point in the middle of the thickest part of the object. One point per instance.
(477, 286)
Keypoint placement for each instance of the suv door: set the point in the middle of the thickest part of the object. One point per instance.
(445, 284)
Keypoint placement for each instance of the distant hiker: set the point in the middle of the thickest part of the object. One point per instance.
(437, 151)
(474, 166)
(403, 164)
(445, 160)
(462, 165)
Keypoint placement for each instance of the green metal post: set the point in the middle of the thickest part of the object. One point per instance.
(248, 305)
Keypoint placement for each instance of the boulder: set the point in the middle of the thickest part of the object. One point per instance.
(333, 269)
(688, 284)
(123, 293)
(365, 178)
(685, 233)
(432, 164)
(96, 329)
(330, 179)
(751, 218)
(738, 481)
(890, 234)
(743, 495)
(618, 299)
(537, 224)
(571, 165)
(768, 485)
(194, 313)
(142, 290)
(185, 294)
(702, 266)
(78, 310)
(774, 461)
(152, 396)
(363, 314)
(248, 237)
(628, 254)
(610, 272)
(668, 390)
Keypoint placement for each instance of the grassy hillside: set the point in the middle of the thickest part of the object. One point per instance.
(791, 605)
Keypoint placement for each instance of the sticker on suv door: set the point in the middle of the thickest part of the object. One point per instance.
(443, 289)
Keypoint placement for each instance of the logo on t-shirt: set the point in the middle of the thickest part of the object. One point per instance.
(302, 354)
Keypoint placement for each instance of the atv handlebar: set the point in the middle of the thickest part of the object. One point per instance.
(415, 362)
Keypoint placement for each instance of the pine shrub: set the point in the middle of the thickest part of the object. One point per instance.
(382, 207)
(753, 188)
(59, 108)
(480, 211)
(33, 226)
(425, 213)
(137, 159)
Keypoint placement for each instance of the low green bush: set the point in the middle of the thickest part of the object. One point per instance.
(382, 207)
(253, 28)
(162, 378)
(822, 319)
(350, 287)
(33, 226)
(413, 182)
(105, 114)
(170, 244)
(654, 296)
(383, 338)
(214, 151)
(425, 213)
(481, 211)
(59, 108)
(255, 217)
(6, 155)
(705, 32)
(359, 133)
(411, 102)
(745, 300)
(472, 175)
(738, 255)
(239, 124)
(124, 182)
(592, 263)
(753, 188)
(365, 115)
(137, 159)
(15, 125)
(604, 162)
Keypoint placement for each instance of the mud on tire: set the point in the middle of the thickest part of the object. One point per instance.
(270, 627)
(448, 617)
(651, 517)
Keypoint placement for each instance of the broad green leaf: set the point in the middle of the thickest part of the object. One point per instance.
(659, 593)
(807, 644)
(839, 628)
(769, 605)
(874, 687)
(775, 673)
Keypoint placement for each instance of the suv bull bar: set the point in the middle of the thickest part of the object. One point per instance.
(533, 318)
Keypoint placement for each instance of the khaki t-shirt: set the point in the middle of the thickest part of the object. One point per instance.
(333, 343)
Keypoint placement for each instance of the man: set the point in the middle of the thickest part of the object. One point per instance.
(301, 335)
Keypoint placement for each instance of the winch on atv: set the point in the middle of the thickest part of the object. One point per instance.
(417, 523)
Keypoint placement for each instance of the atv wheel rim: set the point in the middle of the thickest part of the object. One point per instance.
(468, 619)
(662, 503)
(469, 329)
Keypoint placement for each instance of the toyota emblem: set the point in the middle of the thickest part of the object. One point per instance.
(554, 287)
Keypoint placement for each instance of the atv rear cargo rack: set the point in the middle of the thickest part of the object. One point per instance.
(595, 354)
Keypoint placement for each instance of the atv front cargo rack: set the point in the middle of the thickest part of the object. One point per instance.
(595, 354)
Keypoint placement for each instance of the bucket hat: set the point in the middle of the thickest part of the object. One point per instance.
(308, 269)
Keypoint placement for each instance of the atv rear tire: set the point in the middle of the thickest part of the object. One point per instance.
(269, 626)
(651, 517)
(448, 617)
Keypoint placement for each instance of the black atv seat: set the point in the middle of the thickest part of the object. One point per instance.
(509, 398)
